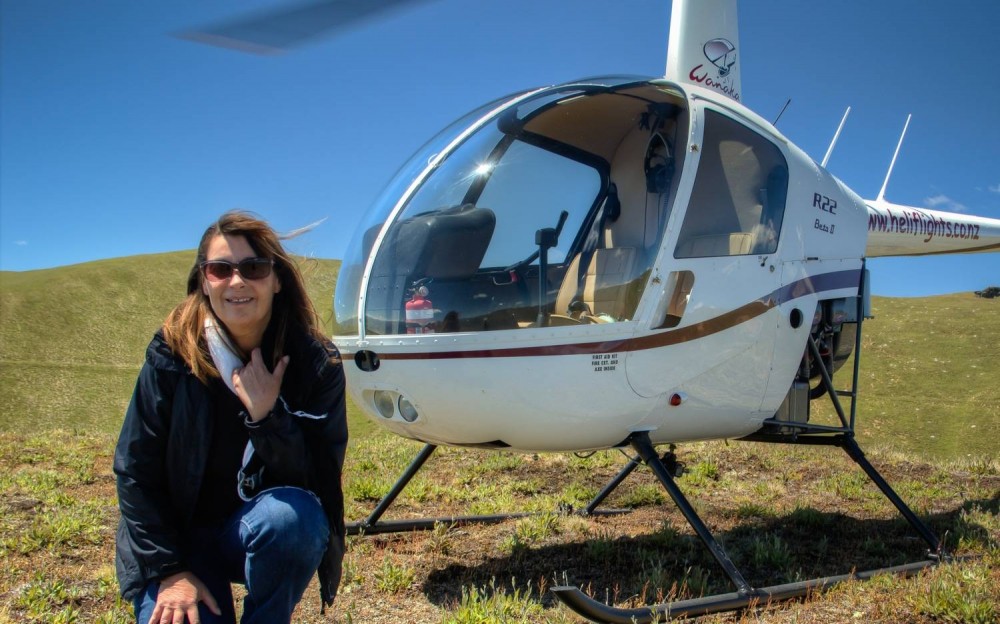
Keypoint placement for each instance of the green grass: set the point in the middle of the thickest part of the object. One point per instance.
(929, 372)
(961, 594)
(487, 604)
(58, 513)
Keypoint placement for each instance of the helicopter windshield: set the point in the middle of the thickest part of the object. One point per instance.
(549, 214)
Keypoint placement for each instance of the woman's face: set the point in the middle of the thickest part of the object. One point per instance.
(243, 305)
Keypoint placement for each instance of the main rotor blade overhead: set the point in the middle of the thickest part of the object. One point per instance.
(278, 30)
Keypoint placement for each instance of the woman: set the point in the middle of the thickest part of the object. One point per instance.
(229, 460)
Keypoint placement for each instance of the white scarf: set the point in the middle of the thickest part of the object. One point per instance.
(224, 353)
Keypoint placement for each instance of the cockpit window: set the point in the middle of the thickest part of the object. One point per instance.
(543, 217)
(738, 199)
(533, 186)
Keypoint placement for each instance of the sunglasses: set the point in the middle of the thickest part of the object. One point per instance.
(250, 269)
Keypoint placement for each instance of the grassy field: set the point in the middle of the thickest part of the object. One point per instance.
(71, 341)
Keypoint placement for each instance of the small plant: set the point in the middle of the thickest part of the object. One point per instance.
(527, 487)
(770, 553)
(601, 547)
(420, 491)
(984, 466)
(351, 574)
(753, 510)
(440, 539)
(702, 474)
(763, 490)
(107, 584)
(65, 526)
(642, 495)
(478, 606)
(961, 594)
(655, 574)
(666, 537)
(537, 528)
(120, 615)
(529, 531)
(876, 548)
(851, 486)
(695, 581)
(366, 487)
(392, 578)
(490, 499)
(809, 518)
(53, 600)
(577, 495)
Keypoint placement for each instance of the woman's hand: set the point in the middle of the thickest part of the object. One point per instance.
(257, 387)
(179, 596)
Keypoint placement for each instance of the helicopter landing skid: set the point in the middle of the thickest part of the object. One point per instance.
(596, 611)
(745, 595)
(373, 524)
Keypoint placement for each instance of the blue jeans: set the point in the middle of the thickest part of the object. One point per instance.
(273, 544)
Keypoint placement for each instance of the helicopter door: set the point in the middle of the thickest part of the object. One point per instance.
(719, 281)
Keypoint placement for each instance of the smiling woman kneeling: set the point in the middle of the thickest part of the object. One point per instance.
(230, 456)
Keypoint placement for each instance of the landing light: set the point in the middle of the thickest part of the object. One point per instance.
(385, 403)
(407, 410)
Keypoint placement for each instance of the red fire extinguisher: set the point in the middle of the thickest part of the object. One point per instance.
(419, 313)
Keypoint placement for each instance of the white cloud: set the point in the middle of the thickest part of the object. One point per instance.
(943, 202)
(21, 243)
(994, 189)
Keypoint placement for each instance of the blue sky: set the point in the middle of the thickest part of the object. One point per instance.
(118, 139)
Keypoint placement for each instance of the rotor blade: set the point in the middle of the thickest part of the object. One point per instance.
(277, 31)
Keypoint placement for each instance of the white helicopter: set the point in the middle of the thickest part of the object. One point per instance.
(623, 262)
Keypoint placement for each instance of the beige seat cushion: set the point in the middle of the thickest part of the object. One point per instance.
(603, 287)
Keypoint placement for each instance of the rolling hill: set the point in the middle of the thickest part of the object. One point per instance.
(72, 338)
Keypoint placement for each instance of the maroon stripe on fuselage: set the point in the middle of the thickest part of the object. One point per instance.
(805, 286)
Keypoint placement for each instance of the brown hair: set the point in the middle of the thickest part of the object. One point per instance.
(291, 307)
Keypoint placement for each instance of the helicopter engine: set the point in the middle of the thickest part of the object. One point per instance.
(834, 330)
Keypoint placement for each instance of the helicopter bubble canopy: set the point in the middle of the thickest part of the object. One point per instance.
(512, 218)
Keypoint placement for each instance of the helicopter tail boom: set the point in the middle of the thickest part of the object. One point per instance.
(898, 230)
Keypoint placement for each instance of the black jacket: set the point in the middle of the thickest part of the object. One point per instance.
(161, 454)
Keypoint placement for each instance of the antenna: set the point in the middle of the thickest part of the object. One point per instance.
(782, 112)
(836, 136)
(881, 194)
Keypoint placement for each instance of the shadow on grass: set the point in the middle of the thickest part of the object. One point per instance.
(672, 563)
